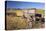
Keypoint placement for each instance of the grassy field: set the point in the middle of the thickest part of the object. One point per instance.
(18, 22)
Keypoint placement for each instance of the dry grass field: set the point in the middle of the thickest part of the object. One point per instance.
(15, 20)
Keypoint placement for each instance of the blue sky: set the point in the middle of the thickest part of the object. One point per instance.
(17, 4)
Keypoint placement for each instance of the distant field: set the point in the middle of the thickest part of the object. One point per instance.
(40, 11)
(20, 12)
